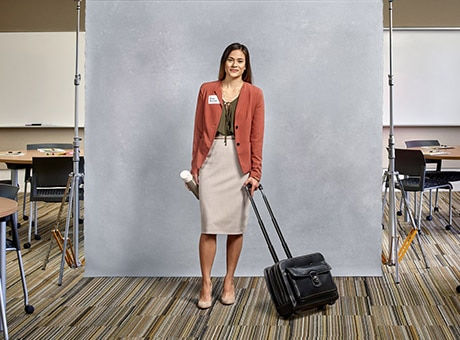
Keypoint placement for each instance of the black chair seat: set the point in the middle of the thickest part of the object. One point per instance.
(413, 184)
(53, 195)
(447, 176)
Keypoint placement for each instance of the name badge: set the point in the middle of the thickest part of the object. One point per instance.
(213, 99)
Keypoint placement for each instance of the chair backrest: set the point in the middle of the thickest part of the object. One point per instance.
(52, 171)
(50, 177)
(49, 146)
(411, 163)
(426, 142)
(8, 191)
(421, 142)
(37, 146)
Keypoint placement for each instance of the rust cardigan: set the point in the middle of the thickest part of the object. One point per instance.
(249, 126)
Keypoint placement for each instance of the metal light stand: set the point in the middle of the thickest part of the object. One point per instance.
(391, 175)
(74, 199)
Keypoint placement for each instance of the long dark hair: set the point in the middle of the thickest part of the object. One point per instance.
(247, 74)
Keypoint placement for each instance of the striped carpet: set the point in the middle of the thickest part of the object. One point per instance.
(424, 305)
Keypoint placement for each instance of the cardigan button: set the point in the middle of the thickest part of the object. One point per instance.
(237, 144)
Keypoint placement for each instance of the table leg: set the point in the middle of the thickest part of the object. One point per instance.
(15, 177)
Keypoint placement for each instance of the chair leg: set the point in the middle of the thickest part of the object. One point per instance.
(415, 208)
(14, 220)
(450, 210)
(429, 217)
(36, 234)
(400, 211)
(436, 208)
(24, 216)
(32, 218)
(419, 221)
(384, 203)
(28, 308)
(423, 253)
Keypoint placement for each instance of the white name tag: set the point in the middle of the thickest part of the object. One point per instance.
(213, 99)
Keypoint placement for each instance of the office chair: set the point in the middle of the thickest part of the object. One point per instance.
(11, 191)
(9, 182)
(412, 165)
(13, 217)
(28, 168)
(48, 184)
(438, 173)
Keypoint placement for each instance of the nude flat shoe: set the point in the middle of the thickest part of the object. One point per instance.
(230, 300)
(203, 304)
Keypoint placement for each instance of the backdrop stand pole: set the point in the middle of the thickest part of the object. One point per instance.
(77, 177)
(391, 175)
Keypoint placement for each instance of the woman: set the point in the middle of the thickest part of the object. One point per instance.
(226, 155)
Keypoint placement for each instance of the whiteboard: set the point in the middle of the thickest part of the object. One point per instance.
(426, 74)
(37, 78)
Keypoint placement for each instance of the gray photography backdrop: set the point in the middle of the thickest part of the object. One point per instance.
(320, 66)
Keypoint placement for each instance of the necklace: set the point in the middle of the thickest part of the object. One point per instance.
(229, 93)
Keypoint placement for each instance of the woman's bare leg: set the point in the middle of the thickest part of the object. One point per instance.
(207, 250)
(234, 246)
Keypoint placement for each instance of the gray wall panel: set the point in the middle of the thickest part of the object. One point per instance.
(320, 67)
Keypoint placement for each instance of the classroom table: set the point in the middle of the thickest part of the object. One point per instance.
(451, 152)
(7, 208)
(17, 158)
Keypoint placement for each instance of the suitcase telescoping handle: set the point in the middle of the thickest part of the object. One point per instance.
(262, 226)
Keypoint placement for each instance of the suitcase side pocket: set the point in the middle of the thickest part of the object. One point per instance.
(311, 283)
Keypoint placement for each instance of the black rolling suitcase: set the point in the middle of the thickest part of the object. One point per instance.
(296, 283)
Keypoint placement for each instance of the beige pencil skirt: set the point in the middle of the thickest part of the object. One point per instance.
(223, 201)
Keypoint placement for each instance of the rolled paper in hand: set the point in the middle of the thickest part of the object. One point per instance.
(188, 180)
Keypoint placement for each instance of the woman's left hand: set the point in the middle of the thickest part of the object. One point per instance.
(254, 184)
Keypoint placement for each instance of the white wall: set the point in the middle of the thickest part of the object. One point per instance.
(38, 72)
(320, 66)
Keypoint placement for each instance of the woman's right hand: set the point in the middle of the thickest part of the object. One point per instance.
(195, 178)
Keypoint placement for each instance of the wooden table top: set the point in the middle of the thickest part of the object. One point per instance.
(451, 152)
(25, 156)
(7, 206)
